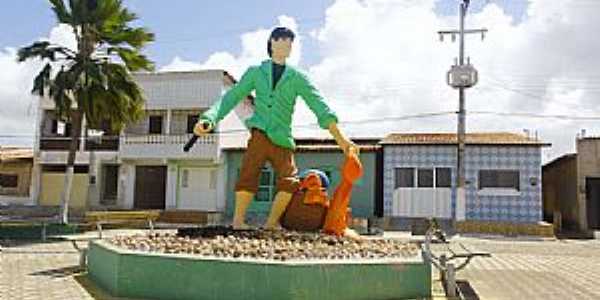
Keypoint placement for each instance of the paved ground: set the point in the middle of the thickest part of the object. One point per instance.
(35, 270)
(519, 269)
(522, 269)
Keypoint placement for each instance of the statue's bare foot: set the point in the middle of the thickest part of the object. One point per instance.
(273, 227)
(350, 233)
(241, 226)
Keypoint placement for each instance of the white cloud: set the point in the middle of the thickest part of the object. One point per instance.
(254, 50)
(384, 58)
(17, 105)
(15, 101)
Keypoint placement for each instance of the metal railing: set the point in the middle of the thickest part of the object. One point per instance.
(96, 143)
(163, 139)
(102, 143)
(51, 143)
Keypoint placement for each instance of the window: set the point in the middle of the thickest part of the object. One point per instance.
(425, 178)
(77, 169)
(54, 127)
(67, 129)
(507, 179)
(404, 177)
(60, 128)
(328, 174)
(9, 181)
(442, 178)
(266, 186)
(191, 122)
(155, 126)
(185, 175)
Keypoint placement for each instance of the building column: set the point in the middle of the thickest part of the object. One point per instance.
(126, 187)
(221, 186)
(36, 182)
(36, 175)
(172, 186)
(168, 125)
(93, 195)
(82, 135)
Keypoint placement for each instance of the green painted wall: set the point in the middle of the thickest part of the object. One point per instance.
(363, 192)
(157, 276)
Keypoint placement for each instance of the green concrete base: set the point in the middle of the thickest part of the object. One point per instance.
(134, 274)
(34, 230)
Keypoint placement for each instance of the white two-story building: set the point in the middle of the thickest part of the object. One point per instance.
(144, 166)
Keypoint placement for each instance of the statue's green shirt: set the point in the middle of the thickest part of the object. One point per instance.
(273, 106)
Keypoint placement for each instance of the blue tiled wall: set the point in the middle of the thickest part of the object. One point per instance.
(524, 208)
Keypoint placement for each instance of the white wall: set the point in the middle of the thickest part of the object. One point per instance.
(126, 185)
(422, 202)
(171, 189)
(181, 89)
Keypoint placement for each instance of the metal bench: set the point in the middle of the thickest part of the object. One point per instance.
(100, 218)
(42, 221)
(448, 264)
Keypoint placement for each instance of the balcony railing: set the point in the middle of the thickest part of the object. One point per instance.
(180, 139)
(102, 143)
(50, 143)
(167, 146)
(108, 143)
(140, 146)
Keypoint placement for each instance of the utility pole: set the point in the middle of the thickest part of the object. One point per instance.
(461, 76)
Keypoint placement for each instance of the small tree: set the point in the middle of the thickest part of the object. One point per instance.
(93, 81)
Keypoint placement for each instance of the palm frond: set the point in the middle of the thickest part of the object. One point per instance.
(102, 90)
(43, 50)
(134, 37)
(114, 15)
(42, 81)
(76, 12)
(133, 59)
(61, 12)
(62, 95)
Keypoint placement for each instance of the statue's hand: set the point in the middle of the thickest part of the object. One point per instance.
(203, 127)
(349, 148)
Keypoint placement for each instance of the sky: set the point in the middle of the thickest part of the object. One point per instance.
(377, 60)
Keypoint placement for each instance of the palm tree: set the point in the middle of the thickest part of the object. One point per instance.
(93, 81)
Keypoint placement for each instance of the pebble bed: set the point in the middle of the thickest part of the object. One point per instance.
(223, 242)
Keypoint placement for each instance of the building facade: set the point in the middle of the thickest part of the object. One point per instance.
(322, 154)
(15, 176)
(571, 185)
(144, 166)
(503, 177)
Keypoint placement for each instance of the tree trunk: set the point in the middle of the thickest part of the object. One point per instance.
(76, 118)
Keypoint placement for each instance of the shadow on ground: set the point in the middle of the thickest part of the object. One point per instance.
(60, 272)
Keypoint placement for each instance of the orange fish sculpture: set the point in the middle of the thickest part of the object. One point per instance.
(335, 221)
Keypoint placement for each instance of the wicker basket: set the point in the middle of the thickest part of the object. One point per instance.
(302, 217)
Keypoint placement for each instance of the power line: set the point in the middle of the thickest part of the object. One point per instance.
(371, 121)
(310, 125)
(539, 116)
(356, 122)
(504, 87)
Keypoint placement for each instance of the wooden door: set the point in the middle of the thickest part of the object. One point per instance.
(150, 187)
